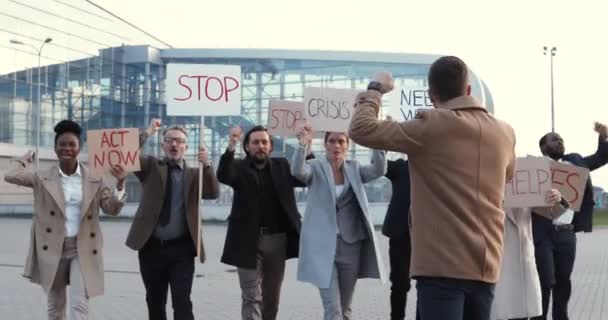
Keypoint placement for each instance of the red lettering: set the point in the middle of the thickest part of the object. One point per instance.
(555, 179)
(122, 136)
(115, 160)
(198, 85)
(228, 90)
(570, 184)
(179, 80)
(543, 177)
(99, 162)
(274, 119)
(221, 89)
(105, 140)
(517, 180)
(129, 157)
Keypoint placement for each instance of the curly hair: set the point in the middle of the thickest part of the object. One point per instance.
(67, 126)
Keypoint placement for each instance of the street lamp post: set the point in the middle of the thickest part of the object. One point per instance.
(39, 109)
(552, 52)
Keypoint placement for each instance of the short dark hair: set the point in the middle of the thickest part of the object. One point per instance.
(67, 126)
(543, 140)
(448, 78)
(327, 133)
(252, 130)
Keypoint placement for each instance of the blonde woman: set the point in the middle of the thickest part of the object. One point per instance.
(338, 244)
(517, 294)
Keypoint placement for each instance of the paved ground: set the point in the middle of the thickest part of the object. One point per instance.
(216, 294)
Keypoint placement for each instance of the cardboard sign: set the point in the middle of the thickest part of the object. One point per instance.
(110, 147)
(329, 109)
(203, 90)
(285, 117)
(570, 180)
(530, 183)
(406, 101)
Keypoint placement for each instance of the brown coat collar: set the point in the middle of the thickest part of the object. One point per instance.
(51, 179)
(462, 102)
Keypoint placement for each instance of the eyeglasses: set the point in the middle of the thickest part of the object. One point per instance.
(170, 140)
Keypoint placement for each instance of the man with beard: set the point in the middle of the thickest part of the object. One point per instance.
(264, 222)
(555, 240)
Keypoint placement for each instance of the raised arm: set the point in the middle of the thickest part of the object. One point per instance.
(600, 157)
(211, 187)
(20, 172)
(376, 169)
(226, 171)
(145, 162)
(300, 168)
(366, 130)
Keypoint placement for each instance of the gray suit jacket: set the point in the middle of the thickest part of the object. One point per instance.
(320, 228)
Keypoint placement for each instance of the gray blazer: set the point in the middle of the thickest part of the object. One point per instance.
(319, 226)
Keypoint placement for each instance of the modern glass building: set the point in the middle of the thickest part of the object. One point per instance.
(94, 72)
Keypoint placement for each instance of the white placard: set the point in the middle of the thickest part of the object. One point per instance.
(405, 101)
(203, 90)
(329, 109)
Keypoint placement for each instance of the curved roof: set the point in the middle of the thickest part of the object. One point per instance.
(379, 57)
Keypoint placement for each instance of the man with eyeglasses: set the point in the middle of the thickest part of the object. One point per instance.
(165, 229)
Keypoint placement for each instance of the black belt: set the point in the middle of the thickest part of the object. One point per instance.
(563, 227)
(153, 241)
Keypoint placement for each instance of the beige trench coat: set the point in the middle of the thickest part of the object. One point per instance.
(517, 293)
(48, 225)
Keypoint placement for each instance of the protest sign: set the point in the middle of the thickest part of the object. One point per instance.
(405, 101)
(203, 90)
(530, 183)
(110, 147)
(329, 109)
(570, 180)
(285, 117)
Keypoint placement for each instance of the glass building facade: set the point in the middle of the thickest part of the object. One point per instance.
(94, 73)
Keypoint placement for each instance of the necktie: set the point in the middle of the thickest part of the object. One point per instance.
(165, 213)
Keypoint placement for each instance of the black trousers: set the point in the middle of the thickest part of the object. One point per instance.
(399, 253)
(163, 265)
(555, 254)
(454, 299)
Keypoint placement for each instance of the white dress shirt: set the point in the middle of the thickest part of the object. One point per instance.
(73, 193)
(567, 217)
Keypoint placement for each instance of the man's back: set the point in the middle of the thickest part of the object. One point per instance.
(460, 158)
(458, 181)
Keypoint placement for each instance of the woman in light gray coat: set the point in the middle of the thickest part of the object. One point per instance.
(338, 244)
(517, 294)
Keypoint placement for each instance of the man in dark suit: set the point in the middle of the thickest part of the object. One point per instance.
(555, 240)
(396, 228)
(165, 230)
(264, 222)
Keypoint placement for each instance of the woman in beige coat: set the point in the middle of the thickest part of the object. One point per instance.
(517, 294)
(66, 241)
